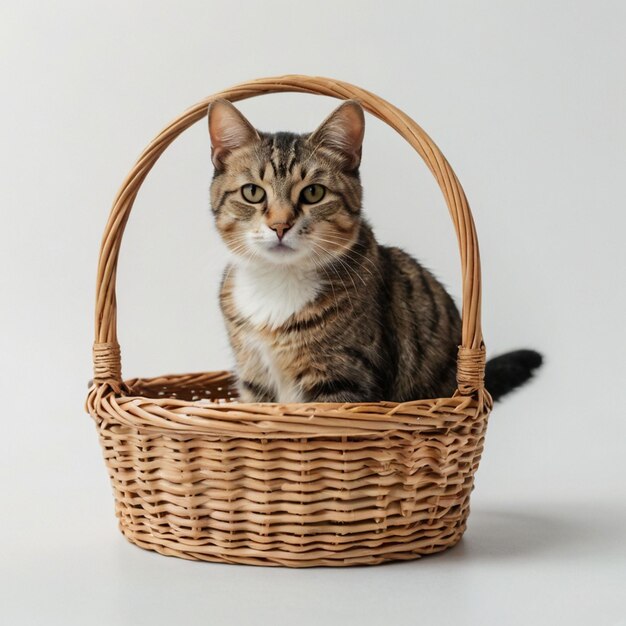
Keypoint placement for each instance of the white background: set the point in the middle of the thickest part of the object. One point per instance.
(527, 101)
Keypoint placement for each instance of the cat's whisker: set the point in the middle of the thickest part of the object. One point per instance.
(232, 265)
(320, 265)
(339, 276)
(348, 269)
(238, 250)
(365, 269)
(351, 250)
(239, 240)
(337, 239)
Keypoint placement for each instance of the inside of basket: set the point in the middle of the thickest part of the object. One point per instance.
(204, 387)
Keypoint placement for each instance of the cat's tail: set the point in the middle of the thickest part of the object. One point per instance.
(508, 371)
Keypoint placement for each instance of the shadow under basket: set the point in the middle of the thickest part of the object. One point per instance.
(200, 476)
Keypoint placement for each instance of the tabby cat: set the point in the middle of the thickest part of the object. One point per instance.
(316, 309)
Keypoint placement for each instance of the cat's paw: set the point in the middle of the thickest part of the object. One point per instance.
(252, 392)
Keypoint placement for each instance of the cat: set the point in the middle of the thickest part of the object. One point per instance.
(316, 309)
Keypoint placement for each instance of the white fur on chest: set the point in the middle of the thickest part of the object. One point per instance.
(269, 296)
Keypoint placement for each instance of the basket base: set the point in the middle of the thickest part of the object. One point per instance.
(408, 551)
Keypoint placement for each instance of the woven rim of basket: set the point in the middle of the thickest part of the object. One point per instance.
(471, 354)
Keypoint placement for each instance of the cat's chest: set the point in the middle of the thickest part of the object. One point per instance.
(269, 297)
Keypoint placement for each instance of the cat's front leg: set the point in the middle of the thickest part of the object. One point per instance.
(250, 391)
(342, 390)
(337, 397)
(254, 381)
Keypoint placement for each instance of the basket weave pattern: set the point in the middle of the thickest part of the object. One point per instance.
(200, 476)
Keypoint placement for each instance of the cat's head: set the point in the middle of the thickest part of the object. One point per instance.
(283, 198)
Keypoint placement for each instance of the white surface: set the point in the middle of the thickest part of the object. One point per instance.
(527, 102)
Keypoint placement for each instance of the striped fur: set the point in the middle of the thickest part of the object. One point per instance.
(325, 313)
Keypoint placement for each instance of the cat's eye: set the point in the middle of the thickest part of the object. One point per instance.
(253, 193)
(312, 194)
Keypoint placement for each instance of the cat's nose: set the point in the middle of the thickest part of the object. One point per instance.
(280, 229)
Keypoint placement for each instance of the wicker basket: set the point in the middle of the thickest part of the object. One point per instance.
(288, 484)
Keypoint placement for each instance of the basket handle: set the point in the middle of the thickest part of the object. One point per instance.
(471, 356)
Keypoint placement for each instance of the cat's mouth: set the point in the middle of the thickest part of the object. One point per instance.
(280, 252)
(281, 248)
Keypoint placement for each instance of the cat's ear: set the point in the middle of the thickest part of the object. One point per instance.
(228, 129)
(342, 131)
